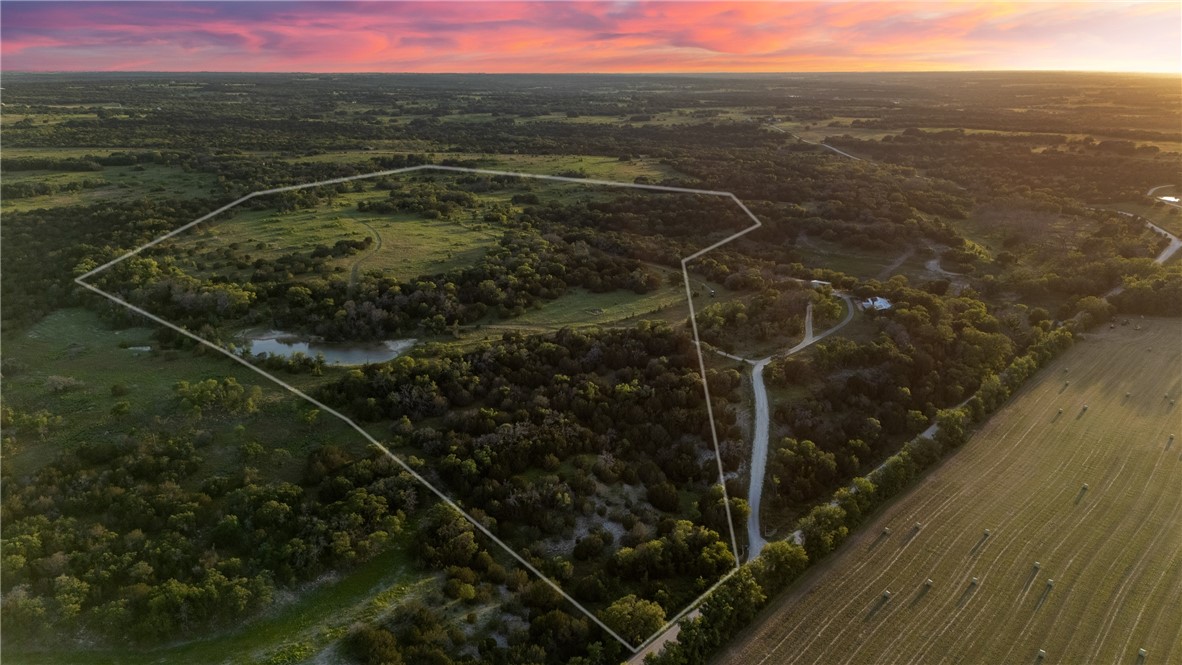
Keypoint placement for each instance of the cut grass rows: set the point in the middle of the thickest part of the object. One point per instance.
(908, 537)
(1111, 550)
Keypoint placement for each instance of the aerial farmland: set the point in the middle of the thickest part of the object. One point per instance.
(1052, 536)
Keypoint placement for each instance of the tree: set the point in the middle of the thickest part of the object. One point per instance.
(823, 529)
(1095, 310)
(778, 564)
(375, 646)
(634, 618)
(800, 470)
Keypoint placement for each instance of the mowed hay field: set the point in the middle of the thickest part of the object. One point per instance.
(1113, 550)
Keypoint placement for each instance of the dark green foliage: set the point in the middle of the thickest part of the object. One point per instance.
(107, 539)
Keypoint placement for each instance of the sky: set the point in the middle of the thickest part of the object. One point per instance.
(558, 36)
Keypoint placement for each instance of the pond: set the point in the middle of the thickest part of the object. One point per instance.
(279, 343)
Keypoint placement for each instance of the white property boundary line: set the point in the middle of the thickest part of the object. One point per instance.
(81, 281)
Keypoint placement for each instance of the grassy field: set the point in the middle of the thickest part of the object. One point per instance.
(863, 263)
(608, 168)
(113, 183)
(581, 308)
(405, 245)
(74, 343)
(818, 131)
(1113, 550)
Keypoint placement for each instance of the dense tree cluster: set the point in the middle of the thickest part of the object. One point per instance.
(538, 625)
(49, 247)
(124, 540)
(776, 313)
(864, 398)
(530, 428)
(1088, 171)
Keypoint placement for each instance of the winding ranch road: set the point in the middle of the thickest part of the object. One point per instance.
(1170, 249)
(1154, 189)
(1175, 243)
(759, 447)
(762, 427)
(357, 264)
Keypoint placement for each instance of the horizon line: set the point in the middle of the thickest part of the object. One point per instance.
(601, 73)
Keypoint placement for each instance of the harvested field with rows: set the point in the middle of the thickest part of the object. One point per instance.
(1053, 536)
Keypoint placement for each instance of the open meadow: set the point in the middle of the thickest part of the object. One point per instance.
(1053, 529)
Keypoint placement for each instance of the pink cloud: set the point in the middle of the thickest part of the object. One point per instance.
(587, 36)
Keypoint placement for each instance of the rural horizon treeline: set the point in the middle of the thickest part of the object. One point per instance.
(160, 500)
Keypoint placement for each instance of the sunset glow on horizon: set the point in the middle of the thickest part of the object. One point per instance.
(555, 37)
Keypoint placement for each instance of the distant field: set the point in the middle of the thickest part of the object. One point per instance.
(111, 183)
(591, 166)
(410, 245)
(581, 308)
(863, 263)
(1113, 550)
(818, 131)
(74, 343)
(405, 245)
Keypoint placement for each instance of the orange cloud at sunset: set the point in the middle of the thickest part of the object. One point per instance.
(589, 36)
